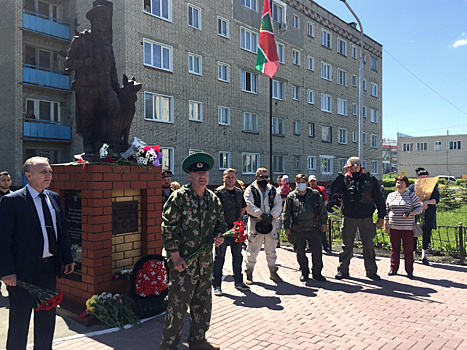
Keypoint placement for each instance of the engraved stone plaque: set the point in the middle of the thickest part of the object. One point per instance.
(124, 217)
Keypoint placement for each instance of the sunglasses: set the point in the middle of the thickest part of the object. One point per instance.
(355, 165)
(265, 177)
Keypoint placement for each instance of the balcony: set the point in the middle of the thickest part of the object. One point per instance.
(50, 26)
(46, 130)
(48, 78)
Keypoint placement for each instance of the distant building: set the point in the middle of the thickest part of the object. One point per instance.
(389, 156)
(440, 155)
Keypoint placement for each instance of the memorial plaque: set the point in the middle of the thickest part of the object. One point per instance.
(124, 217)
(73, 216)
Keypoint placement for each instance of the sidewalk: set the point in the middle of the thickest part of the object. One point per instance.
(429, 312)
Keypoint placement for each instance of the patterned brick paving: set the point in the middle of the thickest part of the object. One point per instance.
(429, 312)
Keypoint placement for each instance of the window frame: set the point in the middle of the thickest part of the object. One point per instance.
(227, 158)
(243, 32)
(330, 133)
(312, 26)
(312, 94)
(342, 46)
(311, 130)
(341, 77)
(252, 4)
(54, 106)
(223, 108)
(355, 109)
(330, 164)
(162, 59)
(342, 107)
(312, 65)
(374, 167)
(342, 136)
(255, 128)
(170, 157)
(275, 14)
(191, 105)
(326, 40)
(297, 128)
(276, 87)
(421, 146)
(227, 66)
(227, 27)
(326, 71)
(278, 123)
(455, 145)
(296, 21)
(313, 162)
(374, 89)
(323, 108)
(296, 93)
(194, 56)
(254, 165)
(194, 8)
(374, 115)
(243, 82)
(374, 141)
(296, 57)
(170, 103)
(169, 11)
(280, 55)
(438, 145)
(278, 159)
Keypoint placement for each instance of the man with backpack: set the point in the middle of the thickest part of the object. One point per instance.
(304, 219)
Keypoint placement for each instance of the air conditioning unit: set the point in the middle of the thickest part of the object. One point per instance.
(282, 27)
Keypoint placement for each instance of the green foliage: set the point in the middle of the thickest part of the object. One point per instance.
(462, 182)
(451, 198)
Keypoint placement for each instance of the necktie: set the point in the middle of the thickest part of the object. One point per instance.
(49, 226)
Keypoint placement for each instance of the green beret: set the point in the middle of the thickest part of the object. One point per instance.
(198, 161)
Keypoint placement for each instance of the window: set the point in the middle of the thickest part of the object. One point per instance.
(311, 97)
(277, 12)
(311, 63)
(194, 16)
(223, 27)
(341, 107)
(364, 138)
(167, 158)
(311, 29)
(249, 82)
(42, 58)
(326, 134)
(455, 145)
(326, 164)
(374, 115)
(223, 115)
(311, 162)
(326, 71)
(158, 107)
(354, 52)
(407, 147)
(341, 163)
(341, 77)
(342, 46)
(196, 111)
(280, 52)
(296, 162)
(277, 126)
(364, 111)
(250, 162)
(364, 84)
(223, 72)
(296, 57)
(326, 38)
(250, 122)
(278, 164)
(296, 21)
(43, 110)
(251, 4)
(194, 64)
(374, 141)
(374, 167)
(438, 145)
(374, 89)
(364, 164)
(374, 63)
(354, 109)
(296, 128)
(354, 80)
(311, 129)
(422, 146)
(248, 40)
(224, 160)
(296, 93)
(355, 136)
(277, 90)
(161, 8)
(326, 103)
(342, 136)
(157, 55)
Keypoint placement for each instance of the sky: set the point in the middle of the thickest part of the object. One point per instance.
(424, 61)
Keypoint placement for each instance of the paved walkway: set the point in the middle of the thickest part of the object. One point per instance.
(429, 312)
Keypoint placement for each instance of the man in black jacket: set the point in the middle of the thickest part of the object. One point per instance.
(360, 193)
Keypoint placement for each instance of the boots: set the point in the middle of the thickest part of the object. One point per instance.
(249, 276)
(273, 275)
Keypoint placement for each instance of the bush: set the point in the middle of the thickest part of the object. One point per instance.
(462, 182)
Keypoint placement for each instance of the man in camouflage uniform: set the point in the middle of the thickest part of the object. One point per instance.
(192, 220)
(166, 181)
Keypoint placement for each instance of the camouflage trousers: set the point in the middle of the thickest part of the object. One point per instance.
(189, 288)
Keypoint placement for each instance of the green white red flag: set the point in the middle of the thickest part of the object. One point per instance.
(267, 60)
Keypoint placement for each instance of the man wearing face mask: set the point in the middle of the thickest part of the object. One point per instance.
(263, 205)
(360, 196)
(305, 216)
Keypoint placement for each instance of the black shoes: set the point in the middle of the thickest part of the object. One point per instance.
(319, 278)
(410, 274)
(425, 262)
(392, 273)
(303, 278)
(241, 286)
(341, 276)
(373, 276)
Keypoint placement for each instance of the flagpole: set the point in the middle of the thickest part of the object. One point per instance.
(270, 112)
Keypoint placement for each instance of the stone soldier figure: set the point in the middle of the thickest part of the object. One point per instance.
(92, 59)
(166, 181)
(191, 222)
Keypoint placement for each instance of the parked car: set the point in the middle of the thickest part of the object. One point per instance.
(447, 177)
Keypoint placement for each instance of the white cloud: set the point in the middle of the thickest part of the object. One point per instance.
(460, 42)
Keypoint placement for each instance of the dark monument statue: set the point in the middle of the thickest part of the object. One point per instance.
(104, 110)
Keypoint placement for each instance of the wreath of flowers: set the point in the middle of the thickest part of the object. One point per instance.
(151, 279)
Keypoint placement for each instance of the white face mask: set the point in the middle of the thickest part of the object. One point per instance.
(301, 186)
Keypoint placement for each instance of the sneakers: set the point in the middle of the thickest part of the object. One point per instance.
(218, 291)
(303, 278)
(373, 276)
(241, 286)
(392, 272)
(341, 276)
(319, 278)
(425, 262)
(204, 346)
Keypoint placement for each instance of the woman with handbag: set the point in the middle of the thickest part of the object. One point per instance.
(401, 208)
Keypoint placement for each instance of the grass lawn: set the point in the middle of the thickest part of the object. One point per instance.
(452, 218)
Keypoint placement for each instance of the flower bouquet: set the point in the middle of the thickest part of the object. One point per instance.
(148, 155)
(151, 279)
(113, 310)
(46, 299)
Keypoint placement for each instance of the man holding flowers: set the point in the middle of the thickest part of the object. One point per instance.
(192, 220)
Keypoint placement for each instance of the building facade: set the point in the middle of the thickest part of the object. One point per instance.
(201, 91)
(440, 155)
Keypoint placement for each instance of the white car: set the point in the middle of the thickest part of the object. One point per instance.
(447, 177)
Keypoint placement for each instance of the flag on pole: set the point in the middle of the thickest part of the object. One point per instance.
(267, 60)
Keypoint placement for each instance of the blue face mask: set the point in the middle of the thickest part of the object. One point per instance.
(301, 186)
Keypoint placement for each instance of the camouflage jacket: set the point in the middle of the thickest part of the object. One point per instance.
(189, 223)
(165, 196)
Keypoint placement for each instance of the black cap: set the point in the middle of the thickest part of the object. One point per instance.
(166, 173)
(98, 11)
(199, 161)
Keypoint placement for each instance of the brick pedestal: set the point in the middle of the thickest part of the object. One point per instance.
(104, 253)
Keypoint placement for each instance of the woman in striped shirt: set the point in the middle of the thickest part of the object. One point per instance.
(401, 208)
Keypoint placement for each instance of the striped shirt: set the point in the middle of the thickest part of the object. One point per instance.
(399, 203)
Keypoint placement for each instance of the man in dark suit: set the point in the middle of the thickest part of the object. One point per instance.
(34, 243)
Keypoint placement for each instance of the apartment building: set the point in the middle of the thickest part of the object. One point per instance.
(440, 155)
(201, 91)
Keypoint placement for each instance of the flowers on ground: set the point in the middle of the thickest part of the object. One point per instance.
(46, 299)
(113, 310)
(151, 279)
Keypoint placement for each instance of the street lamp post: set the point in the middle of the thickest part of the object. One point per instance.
(360, 90)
